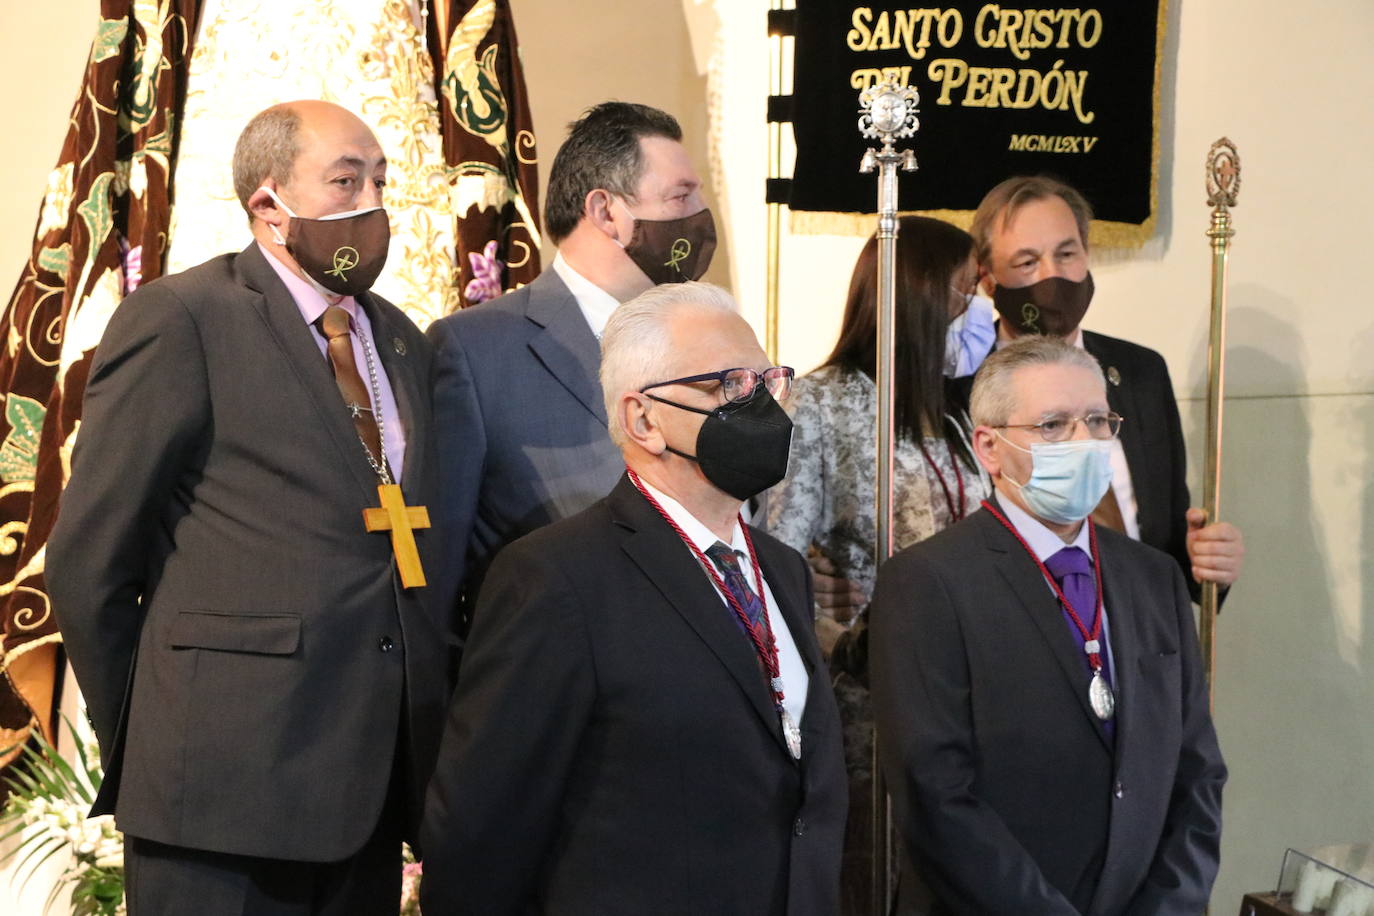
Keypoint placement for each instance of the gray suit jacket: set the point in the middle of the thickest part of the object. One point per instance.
(521, 423)
(247, 653)
(1006, 790)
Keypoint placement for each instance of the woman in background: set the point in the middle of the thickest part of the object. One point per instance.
(825, 505)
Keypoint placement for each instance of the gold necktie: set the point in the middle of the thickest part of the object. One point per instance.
(337, 328)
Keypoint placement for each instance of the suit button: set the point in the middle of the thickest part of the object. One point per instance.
(385, 644)
(1118, 790)
(798, 827)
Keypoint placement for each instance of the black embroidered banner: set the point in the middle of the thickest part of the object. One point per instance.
(1004, 90)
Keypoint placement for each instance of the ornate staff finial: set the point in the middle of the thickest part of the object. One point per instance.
(1223, 174)
(888, 112)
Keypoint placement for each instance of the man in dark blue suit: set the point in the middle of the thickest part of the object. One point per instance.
(515, 386)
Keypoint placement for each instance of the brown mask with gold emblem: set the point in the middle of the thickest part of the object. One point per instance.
(343, 252)
(673, 250)
(1054, 306)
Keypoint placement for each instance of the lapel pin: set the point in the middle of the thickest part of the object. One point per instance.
(1112, 375)
(399, 346)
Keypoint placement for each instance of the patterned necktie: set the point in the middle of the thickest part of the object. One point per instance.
(1073, 571)
(337, 328)
(735, 582)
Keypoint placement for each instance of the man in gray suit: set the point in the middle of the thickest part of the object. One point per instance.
(266, 686)
(516, 391)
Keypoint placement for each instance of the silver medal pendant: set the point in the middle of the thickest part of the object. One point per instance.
(792, 733)
(1100, 697)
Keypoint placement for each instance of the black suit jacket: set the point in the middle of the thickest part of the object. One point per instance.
(243, 643)
(612, 747)
(1006, 791)
(521, 423)
(1138, 388)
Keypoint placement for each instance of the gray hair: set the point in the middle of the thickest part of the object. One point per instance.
(636, 343)
(993, 400)
(267, 148)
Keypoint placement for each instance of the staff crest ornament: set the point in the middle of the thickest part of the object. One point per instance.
(1223, 174)
(888, 111)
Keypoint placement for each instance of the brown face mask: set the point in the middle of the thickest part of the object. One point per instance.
(343, 252)
(1054, 306)
(673, 250)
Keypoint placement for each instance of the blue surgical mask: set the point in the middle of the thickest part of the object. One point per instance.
(1068, 479)
(970, 337)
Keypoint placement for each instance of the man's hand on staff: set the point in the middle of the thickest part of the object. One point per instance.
(1216, 551)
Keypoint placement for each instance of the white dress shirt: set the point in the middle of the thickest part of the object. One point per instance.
(795, 681)
(596, 304)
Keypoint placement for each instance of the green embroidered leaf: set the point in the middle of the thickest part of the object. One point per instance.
(19, 451)
(95, 211)
(108, 37)
(57, 260)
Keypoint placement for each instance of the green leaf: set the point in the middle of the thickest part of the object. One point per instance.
(108, 38)
(95, 210)
(19, 451)
(57, 260)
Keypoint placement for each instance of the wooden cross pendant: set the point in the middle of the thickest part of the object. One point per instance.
(401, 520)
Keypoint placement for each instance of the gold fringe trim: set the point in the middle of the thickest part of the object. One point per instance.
(1101, 233)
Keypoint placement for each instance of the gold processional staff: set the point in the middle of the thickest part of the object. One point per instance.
(887, 112)
(1223, 183)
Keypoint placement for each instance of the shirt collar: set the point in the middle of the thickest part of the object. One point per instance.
(597, 305)
(1043, 542)
(306, 297)
(698, 533)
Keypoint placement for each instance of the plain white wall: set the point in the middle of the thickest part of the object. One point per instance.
(1290, 86)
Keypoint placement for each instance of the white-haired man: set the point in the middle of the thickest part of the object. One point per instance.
(642, 722)
(1037, 682)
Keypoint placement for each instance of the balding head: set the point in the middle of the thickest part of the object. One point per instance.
(272, 144)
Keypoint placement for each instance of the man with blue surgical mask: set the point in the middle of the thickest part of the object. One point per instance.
(1036, 678)
(1031, 241)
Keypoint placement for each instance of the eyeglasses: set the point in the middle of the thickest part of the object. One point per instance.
(739, 384)
(1060, 427)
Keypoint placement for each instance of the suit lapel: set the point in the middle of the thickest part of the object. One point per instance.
(283, 319)
(1123, 619)
(404, 387)
(1121, 397)
(1035, 598)
(566, 345)
(670, 566)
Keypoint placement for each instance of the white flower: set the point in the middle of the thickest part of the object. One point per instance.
(58, 200)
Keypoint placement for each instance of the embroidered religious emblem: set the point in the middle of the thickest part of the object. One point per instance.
(1030, 315)
(681, 251)
(401, 520)
(345, 259)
